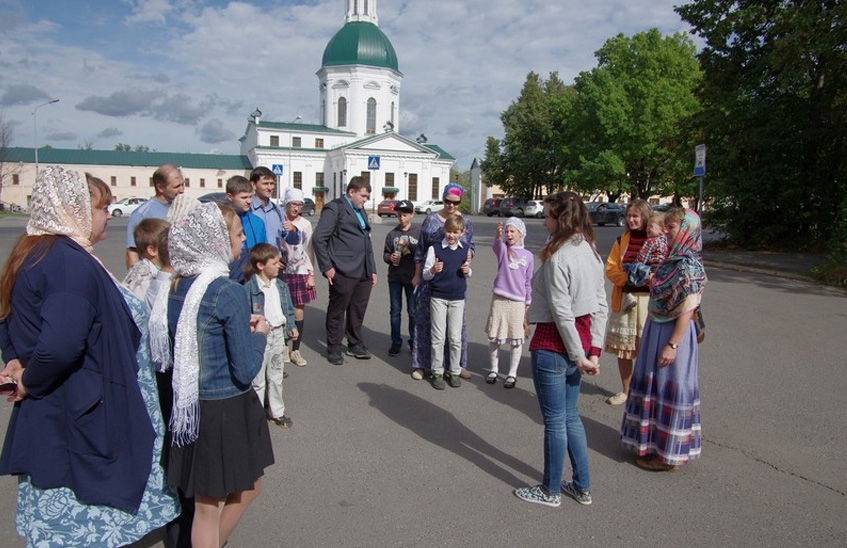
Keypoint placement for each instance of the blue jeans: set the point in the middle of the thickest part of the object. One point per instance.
(395, 292)
(557, 381)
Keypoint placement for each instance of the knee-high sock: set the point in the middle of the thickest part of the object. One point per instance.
(295, 344)
(515, 360)
(494, 350)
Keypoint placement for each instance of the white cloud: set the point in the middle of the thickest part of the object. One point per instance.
(183, 74)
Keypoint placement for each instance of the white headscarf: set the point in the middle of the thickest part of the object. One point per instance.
(199, 245)
(293, 195)
(520, 226)
(61, 205)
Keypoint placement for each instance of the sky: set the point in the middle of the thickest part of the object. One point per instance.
(184, 75)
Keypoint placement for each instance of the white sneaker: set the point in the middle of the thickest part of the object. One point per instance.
(295, 358)
(617, 399)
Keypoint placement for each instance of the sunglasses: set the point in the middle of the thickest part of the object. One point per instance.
(452, 202)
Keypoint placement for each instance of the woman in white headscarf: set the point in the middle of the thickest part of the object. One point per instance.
(298, 272)
(221, 444)
(85, 436)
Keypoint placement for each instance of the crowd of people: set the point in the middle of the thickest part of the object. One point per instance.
(185, 356)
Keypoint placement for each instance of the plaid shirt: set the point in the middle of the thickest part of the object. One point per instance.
(654, 251)
(546, 337)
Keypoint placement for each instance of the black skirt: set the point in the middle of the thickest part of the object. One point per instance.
(231, 452)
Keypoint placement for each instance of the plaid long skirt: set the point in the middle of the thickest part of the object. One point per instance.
(662, 415)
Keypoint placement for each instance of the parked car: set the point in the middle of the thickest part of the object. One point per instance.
(492, 206)
(510, 207)
(661, 208)
(534, 208)
(386, 208)
(308, 207)
(429, 206)
(217, 197)
(606, 213)
(126, 206)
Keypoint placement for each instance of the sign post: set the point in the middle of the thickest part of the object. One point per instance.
(700, 171)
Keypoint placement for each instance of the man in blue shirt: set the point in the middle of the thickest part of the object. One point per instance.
(168, 183)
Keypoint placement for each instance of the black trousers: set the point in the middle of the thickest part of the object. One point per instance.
(348, 302)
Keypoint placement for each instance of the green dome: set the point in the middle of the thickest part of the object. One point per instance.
(359, 43)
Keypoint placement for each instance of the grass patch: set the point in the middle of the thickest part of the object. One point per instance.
(833, 273)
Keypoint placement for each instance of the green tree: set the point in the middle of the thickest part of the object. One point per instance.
(525, 162)
(628, 115)
(774, 115)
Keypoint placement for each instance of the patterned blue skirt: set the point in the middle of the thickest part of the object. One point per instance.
(662, 415)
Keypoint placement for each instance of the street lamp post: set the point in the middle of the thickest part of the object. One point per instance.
(35, 129)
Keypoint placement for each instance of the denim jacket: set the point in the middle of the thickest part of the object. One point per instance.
(256, 297)
(230, 355)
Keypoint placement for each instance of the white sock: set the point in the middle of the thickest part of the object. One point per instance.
(494, 350)
(515, 360)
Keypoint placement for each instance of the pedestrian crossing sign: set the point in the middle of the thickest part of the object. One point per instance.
(277, 169)
(373, 162)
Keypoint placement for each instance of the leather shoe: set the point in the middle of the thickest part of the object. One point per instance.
(335, 358)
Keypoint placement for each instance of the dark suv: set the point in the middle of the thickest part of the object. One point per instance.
(513, 207)
(492, 206)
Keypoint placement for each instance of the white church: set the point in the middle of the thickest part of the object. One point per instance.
(358, 134)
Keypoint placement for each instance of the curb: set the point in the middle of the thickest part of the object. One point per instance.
(759, 270)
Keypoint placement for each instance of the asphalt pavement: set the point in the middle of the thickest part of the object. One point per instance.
(377, 459)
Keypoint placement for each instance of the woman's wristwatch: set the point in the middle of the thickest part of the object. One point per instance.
(672, 345)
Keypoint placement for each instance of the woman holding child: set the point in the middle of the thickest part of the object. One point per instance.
(625, 326)
(85, 437)
(662, 419)
(432, 233)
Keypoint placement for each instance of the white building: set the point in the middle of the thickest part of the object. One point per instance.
(359, 85)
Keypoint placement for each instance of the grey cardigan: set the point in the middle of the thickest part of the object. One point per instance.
(568, 285)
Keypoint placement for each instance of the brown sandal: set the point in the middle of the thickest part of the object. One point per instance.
(654, 465)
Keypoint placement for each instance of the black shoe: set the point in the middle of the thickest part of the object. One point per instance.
(359, 352)
(395, 349)
(335, 358)
(283, 422)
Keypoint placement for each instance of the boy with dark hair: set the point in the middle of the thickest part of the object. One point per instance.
(399, 254)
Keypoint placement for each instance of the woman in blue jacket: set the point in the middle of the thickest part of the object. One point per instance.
(85, 435)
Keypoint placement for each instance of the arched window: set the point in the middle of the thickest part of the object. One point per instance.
(371, 127)
(342, 112)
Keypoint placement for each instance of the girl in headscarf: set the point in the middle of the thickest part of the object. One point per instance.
(661, 423)
(220, 439)
(511, 298)
(432, 232)
(86, 433)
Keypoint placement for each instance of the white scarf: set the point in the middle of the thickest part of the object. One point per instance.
(199, 245)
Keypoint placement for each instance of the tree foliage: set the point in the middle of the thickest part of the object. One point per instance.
(774, 115)
(526, 162)
(617, 130)
(629, 113)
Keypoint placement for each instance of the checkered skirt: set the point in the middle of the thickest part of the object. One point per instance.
(300, 294)
(662, 415)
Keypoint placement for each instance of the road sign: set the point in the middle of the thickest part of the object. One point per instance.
(699, 160)
(277, 169)
(373, 162)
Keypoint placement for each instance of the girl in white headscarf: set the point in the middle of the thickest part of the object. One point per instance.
(511, 298)
(85, 437)
(220, 439)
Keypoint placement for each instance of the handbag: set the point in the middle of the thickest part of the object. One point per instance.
(699, 325)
